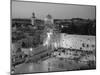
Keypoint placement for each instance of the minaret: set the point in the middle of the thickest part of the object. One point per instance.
(33, 19)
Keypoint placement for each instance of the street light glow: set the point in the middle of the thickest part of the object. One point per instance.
(30, 49)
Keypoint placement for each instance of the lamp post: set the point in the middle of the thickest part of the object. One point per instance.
(30, 51)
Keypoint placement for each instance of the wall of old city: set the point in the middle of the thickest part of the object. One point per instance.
(82, 42)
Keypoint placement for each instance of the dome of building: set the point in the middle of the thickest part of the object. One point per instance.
(48, 19)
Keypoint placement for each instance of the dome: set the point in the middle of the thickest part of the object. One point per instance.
(49, 16)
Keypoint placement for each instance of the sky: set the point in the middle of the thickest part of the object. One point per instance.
(23, 9)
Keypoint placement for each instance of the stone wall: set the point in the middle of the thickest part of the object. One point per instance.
(82, 42)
